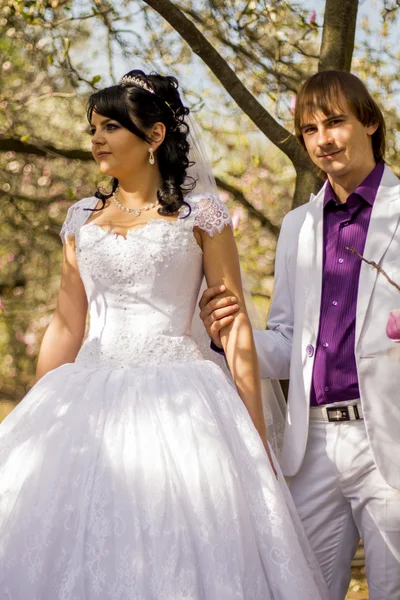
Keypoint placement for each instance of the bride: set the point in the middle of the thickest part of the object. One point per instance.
(134, 469)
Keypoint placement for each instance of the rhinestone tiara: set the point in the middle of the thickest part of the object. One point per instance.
(136, 81)
(139, 82)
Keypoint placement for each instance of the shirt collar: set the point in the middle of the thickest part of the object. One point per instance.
(367, 189)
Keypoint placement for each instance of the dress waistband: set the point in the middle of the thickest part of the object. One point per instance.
(129, 353)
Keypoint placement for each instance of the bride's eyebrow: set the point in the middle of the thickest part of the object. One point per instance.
(104, 122)
(107, 120)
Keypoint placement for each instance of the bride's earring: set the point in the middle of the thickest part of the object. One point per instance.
(151, 156)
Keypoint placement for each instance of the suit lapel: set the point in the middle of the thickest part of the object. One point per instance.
(382, 227)
(309, 274)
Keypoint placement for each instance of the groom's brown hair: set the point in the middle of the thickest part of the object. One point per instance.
(332, 92)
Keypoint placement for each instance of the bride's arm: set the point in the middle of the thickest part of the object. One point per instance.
(221, 265)
(64, 335)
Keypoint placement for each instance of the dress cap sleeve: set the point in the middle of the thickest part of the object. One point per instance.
(76, 217)
(211, 215)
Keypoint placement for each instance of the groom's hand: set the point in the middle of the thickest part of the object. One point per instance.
(217, 309)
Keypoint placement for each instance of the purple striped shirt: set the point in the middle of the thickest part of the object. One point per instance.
(345, 226)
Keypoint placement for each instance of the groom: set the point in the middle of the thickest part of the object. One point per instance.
(327, 331)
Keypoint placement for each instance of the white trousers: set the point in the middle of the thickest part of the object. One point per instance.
(341, 496)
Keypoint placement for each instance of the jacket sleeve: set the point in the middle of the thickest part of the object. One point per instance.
(274, 345)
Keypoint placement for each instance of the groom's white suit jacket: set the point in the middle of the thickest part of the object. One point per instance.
(284, 349)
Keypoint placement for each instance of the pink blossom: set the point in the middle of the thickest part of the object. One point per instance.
(393, 326)
(313, 17)
(246, 178)
(236, 219)
(223, 196)
(30, 338)
(292, 107)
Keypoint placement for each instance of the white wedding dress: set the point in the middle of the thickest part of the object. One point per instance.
(135, 473)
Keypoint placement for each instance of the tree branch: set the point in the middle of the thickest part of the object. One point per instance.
(247, 51)
(376, 266)
(229, 80)
(390, 9)
(252, 210)
(54, 24)
(15, 145)
(9, 395)
(50, 95)
(32, 199)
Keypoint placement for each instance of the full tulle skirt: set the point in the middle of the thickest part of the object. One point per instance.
(148, 483)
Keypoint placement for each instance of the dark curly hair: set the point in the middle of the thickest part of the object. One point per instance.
(120, 101)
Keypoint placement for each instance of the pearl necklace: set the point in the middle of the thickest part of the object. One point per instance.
(135, 211)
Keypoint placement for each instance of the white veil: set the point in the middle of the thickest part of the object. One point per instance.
(274, 404)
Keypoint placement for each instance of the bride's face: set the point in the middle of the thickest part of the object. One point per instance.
(117, 151)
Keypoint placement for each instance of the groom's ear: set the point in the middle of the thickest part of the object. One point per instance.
(371, 128)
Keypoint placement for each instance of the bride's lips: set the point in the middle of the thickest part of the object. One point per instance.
(101, 154)
(330, 154)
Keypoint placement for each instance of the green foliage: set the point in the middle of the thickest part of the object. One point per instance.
(38, 106)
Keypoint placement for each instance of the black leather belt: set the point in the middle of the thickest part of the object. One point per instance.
(337, 413)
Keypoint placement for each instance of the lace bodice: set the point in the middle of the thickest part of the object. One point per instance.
(142, 290)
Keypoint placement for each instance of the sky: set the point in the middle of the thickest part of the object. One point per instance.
(196, 76)
(368, 9)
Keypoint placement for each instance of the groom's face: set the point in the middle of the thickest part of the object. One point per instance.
(337, 142)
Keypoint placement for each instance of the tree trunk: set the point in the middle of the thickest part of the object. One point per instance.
(338, 35)
(337, 47)
(307, 182)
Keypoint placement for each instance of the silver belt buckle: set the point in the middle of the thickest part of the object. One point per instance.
(343, 413)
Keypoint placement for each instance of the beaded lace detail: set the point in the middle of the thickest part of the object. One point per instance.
(149, 349)
(142, 289)
(77, 216)
(211, 215)
(207, 213)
